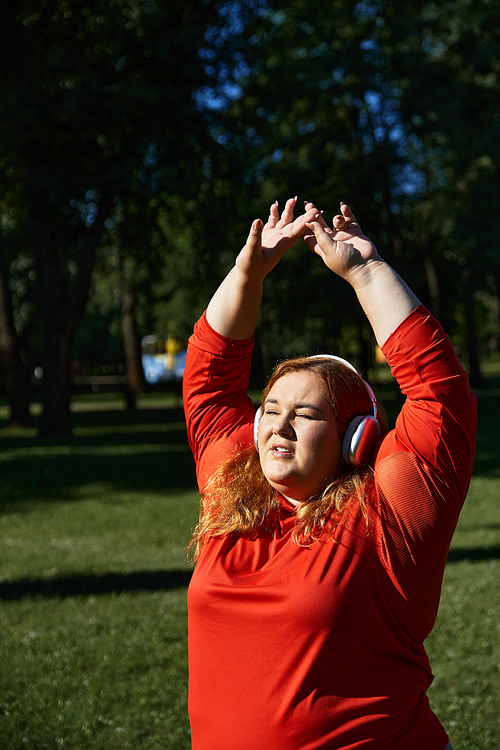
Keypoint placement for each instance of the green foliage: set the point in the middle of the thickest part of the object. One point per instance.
(99, 112)
(183, 121)
(392, 108)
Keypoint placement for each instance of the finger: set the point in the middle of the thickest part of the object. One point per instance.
(317, 218)
(319, 239)
(308, 206)
(254, 239)
(274, 215)
(309, 238)
(308, 233)
(299, 226)
(339, 222)
(348, 214)
(287, 215)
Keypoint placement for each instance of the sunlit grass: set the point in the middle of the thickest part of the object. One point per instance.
(96, 672)
(93, 572)
(93, 577)
(464, 647)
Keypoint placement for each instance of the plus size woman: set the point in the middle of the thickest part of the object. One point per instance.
(323, 536)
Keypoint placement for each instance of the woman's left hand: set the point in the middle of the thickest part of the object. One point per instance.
(343, 247)
(386, 299)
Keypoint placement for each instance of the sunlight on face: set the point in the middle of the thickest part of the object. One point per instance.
(299, 444)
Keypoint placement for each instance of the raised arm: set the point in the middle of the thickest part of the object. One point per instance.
(234, 308)
(437, 423)
(385, 298)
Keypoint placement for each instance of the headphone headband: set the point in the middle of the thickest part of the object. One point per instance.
(351, 367)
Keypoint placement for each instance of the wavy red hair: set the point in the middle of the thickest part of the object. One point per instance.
(239, 499)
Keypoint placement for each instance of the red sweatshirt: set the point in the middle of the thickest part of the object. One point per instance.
(322, 647)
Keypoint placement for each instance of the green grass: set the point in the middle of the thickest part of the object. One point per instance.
(93, 574)
(93, 577)
(464, 647)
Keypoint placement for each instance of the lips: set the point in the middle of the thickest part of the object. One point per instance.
(278, 450)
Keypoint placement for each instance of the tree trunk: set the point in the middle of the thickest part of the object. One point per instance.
(264, 340)
(494, 339)
(13, 70)
(431, 276)
(61, 309)
(56, 390)
(365, 342)
(14, 374)
(132, 346)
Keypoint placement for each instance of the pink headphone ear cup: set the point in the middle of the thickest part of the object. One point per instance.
(360, 439)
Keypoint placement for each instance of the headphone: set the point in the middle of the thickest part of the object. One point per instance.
(362, 433)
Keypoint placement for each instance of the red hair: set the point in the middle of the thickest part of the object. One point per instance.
(239, 499)
(344, 387)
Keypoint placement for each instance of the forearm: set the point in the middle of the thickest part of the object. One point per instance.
(234, 308)
(385, 298)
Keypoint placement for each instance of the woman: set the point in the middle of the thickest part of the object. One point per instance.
(318, 577)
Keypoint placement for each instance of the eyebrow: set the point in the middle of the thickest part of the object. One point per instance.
(297, 406)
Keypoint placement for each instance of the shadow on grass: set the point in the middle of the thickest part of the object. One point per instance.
(131, 451)
(474, 554)
(151, 580)
(90, 585)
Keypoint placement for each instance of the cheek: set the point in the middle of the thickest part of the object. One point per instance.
(324, 450)
(262, 435)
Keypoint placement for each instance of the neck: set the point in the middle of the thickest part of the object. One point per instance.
(293, 502)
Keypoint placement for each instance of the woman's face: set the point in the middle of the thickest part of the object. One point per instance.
(299, 444)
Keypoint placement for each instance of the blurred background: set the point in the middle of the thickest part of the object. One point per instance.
(139, 138)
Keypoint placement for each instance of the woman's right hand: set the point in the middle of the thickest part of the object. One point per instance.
(267, 243)
(234, 308)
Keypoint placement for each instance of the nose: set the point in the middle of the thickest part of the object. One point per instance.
(282, 426)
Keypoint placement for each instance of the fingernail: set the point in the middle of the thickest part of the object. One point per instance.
(309, 226)
(257, 224)
(318, 215)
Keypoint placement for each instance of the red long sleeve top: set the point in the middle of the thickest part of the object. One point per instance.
(322, 647)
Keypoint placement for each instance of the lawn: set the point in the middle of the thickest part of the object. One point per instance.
(93, 577)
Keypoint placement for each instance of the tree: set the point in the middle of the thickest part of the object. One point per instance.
(442, 58)
(85, 91)
(304, 120)
(13, 370)
(389, 106)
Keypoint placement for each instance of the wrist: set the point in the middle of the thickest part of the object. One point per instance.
(373, 271)
(247, 279)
